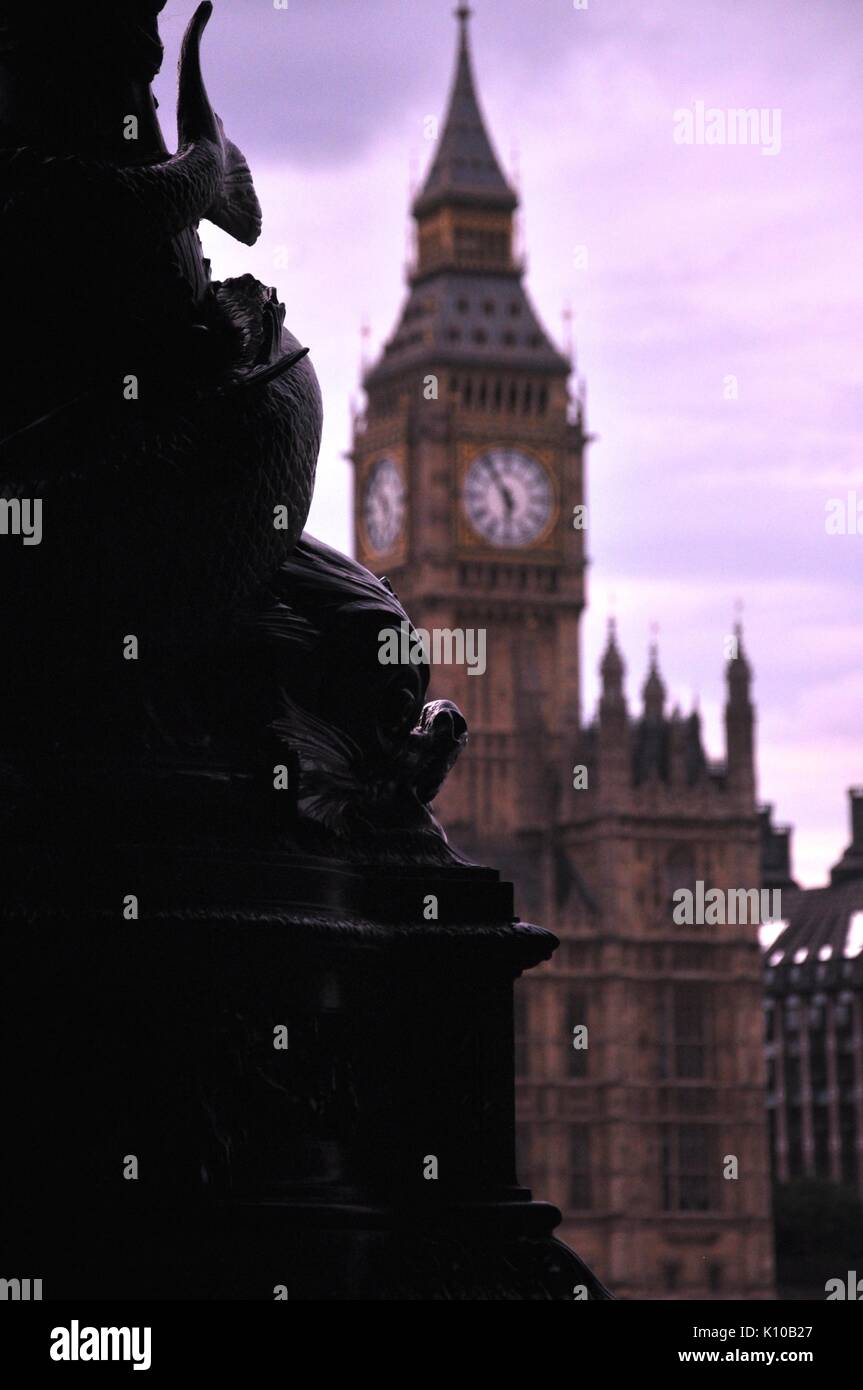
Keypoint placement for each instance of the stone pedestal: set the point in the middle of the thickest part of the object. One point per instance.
(313, 1083)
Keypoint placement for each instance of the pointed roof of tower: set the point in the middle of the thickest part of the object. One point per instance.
(653, 690)
(652, 745)
(465, 167)
(611, 666)
(468, 306)
(738, 671)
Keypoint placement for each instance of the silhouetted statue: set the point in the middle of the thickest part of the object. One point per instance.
(170, 427)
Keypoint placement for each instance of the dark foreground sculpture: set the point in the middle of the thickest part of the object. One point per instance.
(258, 1011)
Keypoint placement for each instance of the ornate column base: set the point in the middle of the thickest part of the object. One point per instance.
(271, 1099)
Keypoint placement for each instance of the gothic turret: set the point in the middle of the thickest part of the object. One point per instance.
(614, 741)
(740, 722)
(652, 732)
(653, 690)
(612, 670)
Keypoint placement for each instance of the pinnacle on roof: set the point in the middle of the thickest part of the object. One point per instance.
(653, 690)
(738, 671)
(465, 167)
(611, 667)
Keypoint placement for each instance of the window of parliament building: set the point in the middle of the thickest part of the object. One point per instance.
(464, 496)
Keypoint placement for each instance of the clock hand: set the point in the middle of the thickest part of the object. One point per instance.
(494, 471)
(508, 500)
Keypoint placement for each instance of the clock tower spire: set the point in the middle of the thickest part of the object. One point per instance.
(464, 211)
(468, 474)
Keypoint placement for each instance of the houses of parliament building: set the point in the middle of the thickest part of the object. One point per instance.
(639, 1046)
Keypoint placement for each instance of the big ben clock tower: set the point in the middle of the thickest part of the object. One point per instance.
(468, 468)
(469, 490)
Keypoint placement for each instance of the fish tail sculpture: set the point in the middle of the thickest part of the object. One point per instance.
(134, 377)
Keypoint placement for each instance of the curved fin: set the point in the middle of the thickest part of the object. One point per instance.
(236, 208)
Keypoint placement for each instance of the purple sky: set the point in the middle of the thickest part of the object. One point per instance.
(703, 261)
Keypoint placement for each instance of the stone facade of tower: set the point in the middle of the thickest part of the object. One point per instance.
(469, 470)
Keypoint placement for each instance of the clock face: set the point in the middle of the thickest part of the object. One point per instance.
(384, 505)
(508, 497)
